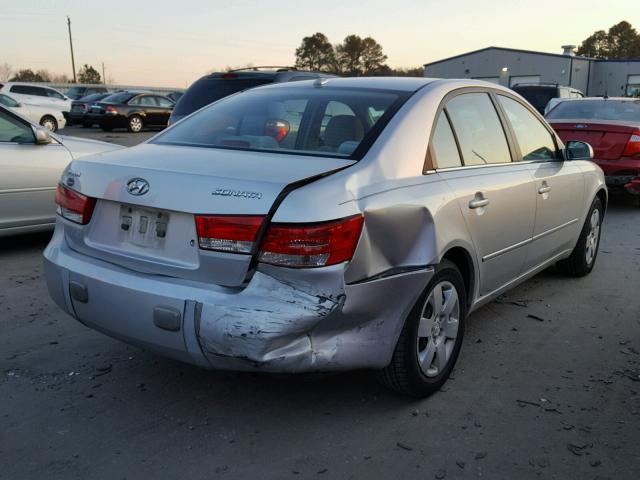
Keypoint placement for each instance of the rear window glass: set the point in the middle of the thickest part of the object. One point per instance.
(311, 121)
(625, 110)
(122, 97)
(207, 90)
(537, 96)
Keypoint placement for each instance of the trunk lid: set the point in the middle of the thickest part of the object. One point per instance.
(181, 182)
(608, 138)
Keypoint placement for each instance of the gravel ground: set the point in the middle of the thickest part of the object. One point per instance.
(547, 386)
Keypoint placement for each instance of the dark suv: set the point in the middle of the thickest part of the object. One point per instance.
(540, 94)
(218, 85)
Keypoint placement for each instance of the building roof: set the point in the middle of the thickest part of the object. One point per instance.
(509, 50)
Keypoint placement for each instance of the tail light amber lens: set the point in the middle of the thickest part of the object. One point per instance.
(633, 145)
(73, 205)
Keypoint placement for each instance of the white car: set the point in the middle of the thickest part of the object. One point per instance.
(49, 118)
(37, 95)
(31, 162)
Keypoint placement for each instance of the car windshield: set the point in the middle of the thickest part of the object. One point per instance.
(600, 109)
(537, 96)
(207, 90)
(120, 97)
(339, 122)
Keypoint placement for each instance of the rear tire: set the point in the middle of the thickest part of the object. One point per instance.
(431, 337)
(49, 123)
(135, 124)
(584, 254)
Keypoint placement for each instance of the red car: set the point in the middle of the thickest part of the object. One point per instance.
(612, 127)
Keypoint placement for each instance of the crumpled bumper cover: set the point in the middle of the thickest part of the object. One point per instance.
(284, 320)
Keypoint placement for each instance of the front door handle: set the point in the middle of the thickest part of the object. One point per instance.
(544, 189)
(478, 202)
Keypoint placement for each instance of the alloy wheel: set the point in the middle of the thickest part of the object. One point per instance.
(438, 328)
(593, 236)
(136, 124)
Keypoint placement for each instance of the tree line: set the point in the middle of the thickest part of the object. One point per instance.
(87, 75)
(620, 41)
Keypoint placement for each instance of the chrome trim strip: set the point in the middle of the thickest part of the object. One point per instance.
(505, 164)
(554, 229)
(529, 240)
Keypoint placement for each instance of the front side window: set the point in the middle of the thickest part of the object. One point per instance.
(12, 130)
(296, 119)
(536, 143)
(477, 125)
(444, 144)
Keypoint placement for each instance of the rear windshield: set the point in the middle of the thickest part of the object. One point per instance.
(121, 97)
(600, 109)
(338, 122)
(537, 96)
(207, 90)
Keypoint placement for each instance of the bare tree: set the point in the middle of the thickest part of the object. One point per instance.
(5, 71)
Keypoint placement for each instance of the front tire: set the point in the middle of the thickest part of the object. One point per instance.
(49, 123)
(431, 337)
(135, 124)
(583, 256)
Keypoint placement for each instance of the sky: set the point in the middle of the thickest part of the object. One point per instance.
(167, 43)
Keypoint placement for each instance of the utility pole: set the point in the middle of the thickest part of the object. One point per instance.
(73, 62)
(104, 78)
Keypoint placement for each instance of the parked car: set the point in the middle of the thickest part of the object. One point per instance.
(31, 161)
(245, 240)
(131, 110)
(544, 96)
(38, 95)
(612, 127)
(80, 108)
(49, 118)
(218, 85)
(75, 93)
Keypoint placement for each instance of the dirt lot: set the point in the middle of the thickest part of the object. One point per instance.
(547, 386)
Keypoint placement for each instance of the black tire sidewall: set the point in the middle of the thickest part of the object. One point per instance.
(582, 242)
(422, 384)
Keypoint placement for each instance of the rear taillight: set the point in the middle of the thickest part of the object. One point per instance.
(111, 109)
(73, 205)
(227, 233)
(316, 245)
(277, 129)
(633, 145)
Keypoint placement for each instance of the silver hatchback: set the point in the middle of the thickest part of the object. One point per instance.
(324, 225)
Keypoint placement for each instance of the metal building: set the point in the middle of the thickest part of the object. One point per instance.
(509, 66)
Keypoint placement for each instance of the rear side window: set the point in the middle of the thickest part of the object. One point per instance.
(480, 134)
(303, 120)
(147, 102)
(444, 144)
(26, 90)
(535, 141)
(207, 90)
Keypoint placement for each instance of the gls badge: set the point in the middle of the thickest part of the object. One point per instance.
(137, 186)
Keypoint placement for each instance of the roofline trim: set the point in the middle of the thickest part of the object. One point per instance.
(516, 50)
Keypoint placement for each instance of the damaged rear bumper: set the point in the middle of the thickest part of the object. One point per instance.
(283, 320)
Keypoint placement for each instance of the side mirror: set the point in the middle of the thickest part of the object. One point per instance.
(577, 150)
(42, 136)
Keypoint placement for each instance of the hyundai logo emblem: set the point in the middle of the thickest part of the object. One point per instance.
(137, 186)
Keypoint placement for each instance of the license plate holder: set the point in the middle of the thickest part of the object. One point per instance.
(145, 227)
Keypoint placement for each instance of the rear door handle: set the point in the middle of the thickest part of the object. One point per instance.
(478, 203)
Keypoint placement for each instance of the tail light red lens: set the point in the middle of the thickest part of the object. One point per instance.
(277, 129)
(226, 233)
(316, 245)
(73, 205)
(633, 145)
(111, 109)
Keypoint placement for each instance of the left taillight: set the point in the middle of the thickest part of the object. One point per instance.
(633, 145)
(314, 245)
(74, 206)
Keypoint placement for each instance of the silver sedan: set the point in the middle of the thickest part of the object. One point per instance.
(31, 161)
(327, 225)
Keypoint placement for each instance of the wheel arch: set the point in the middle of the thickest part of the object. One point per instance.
(604, 198)
(461, 258)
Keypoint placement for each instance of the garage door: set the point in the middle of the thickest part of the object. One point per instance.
(633, 85)
(535, 79)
